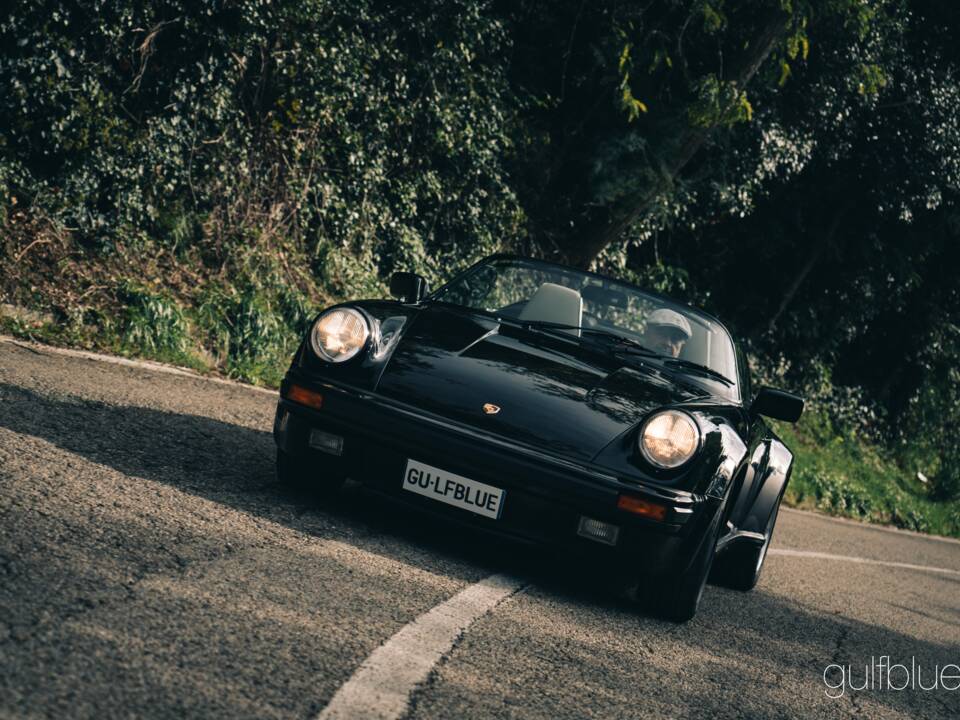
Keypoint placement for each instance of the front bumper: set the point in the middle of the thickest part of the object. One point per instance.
(546, 495)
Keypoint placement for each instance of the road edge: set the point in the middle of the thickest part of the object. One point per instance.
(154, 365)
(902, 532)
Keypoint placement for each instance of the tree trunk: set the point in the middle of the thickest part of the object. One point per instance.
(582, 253)
(808, 265)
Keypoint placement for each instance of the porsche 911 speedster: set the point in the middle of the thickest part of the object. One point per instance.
(551, 405)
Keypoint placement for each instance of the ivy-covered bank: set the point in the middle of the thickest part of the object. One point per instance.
(188, 181)
(840, 473)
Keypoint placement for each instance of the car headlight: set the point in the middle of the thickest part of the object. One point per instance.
(339, 334)
(668, 439)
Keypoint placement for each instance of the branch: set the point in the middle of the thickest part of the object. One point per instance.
(566, 56)
(691, 139)
(146, 49)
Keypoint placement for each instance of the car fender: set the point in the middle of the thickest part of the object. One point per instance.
(764, 481)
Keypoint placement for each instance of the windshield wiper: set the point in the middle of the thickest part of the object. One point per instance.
(629, 345)
(697, 367)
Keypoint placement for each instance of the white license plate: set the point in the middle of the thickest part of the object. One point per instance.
(452, 489)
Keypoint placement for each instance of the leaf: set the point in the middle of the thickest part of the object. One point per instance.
(746, 107)
(784, 73)
(713, 19)
(633, 106)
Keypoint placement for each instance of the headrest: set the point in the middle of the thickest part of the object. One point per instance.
(556, 304)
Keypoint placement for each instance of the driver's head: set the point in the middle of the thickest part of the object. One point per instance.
(667, 331)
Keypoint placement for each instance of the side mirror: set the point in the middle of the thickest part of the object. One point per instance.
(408, 287)
(777, 404)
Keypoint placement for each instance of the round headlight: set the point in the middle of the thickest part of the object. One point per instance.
(339, 334)
(668, 439)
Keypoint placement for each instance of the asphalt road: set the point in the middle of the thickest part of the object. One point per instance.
(151, 566)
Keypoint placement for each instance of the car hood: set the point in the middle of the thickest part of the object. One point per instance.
(549, 392)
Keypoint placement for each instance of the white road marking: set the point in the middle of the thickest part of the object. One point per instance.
(383, 685)
(126, 362)
(863, 561)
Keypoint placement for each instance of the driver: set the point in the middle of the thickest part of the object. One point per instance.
(667, 331)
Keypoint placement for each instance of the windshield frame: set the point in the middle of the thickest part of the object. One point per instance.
(735, 387)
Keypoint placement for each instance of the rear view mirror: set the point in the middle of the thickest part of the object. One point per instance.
(777, 404)
(408, 287)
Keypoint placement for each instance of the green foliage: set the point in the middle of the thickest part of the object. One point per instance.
(927, 434)
(872, 79)
(667, 279)
(834, 494)
(154, 324)
(954, 522)
(374, 132)
(713, 19)
(719, 104)
(841, 472)
(278, 153)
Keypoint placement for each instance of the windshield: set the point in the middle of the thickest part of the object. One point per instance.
(539, 292)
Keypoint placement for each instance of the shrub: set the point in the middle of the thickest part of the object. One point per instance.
(254, 159)
(154, 325)
(835, 494)
(371, 133)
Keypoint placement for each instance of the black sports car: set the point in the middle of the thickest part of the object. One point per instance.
(551, 405)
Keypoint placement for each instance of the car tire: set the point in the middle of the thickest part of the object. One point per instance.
(311, 477)
(677, 597)
(739, 567)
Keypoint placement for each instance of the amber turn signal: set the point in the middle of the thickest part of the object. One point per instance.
(306, 397)
(639, 506)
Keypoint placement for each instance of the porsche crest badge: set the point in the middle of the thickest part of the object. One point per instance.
(491, 409)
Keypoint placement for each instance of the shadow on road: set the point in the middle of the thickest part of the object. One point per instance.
(234, 466)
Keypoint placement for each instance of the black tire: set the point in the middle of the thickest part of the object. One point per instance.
(739, 567)
(677, 597)
(300, 474)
